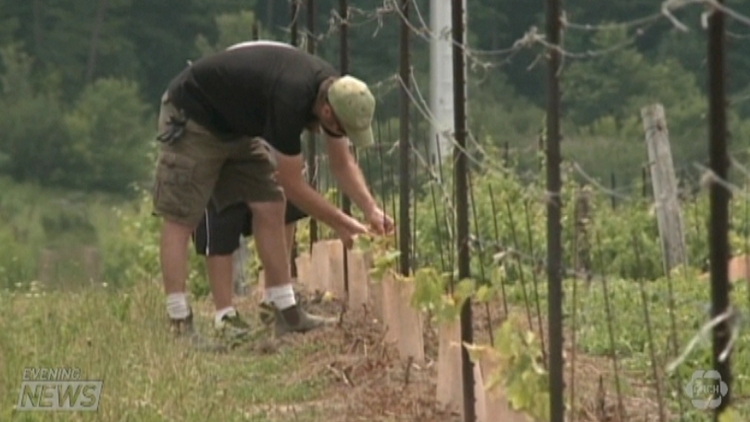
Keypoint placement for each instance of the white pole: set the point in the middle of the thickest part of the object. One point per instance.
(441, 80)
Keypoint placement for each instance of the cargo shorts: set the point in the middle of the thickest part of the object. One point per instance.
(199, 168)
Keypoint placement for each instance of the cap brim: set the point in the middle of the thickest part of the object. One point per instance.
(361, 138)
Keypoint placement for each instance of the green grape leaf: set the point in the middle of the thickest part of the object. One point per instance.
(485, 294)
(730, 415)
(363, 243)
(463, 290)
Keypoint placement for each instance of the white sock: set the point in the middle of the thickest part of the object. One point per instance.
(280, 296)
(221, 313)
(177, 306)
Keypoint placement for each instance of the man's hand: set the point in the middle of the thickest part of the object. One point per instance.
(379, 221)
(348, 229)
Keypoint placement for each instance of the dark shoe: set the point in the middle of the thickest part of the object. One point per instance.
(292, 320)
(184, 329)
(233, 330)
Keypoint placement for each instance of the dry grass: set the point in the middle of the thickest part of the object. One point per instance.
(346, 373)
(365, 378)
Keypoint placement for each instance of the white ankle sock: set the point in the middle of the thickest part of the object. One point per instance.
(177, 306)
(221, 313)
(280, 296)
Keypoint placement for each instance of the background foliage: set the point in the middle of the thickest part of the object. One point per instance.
(79, 90)
(51, 69)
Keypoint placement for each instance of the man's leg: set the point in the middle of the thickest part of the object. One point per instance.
(276, 291)
(254, 179)
(293, 214)
(220, 274)
(220, 269)
(174, 256)
(273, 252)
(187, 169)
(174, 264)
(174, 164)
(173, 253)
(268, 221)
(227, 321)
(212, 238)
(280, 303)
(217, 237)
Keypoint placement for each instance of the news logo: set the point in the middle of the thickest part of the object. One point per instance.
(706, 389)
(58, 389)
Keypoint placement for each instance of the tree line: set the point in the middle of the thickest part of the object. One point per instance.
(81, 80)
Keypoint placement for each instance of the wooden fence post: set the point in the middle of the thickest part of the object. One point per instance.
(664, 185)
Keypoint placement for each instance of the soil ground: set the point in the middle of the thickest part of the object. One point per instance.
(367, 381)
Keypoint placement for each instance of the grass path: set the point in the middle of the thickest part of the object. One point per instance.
(120, 337)
(343, 374)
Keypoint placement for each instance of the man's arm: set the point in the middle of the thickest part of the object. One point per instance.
(302, 195)
(349, 176)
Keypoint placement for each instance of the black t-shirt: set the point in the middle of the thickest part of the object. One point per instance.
(261, 89)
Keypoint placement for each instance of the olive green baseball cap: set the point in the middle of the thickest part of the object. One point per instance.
(354, 106)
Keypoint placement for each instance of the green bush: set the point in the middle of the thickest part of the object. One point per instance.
(131, 250)
(99, 143)
(39, 220)
(109, 137)
(33, 140)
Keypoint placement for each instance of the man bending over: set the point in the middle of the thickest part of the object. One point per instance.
(214, 117)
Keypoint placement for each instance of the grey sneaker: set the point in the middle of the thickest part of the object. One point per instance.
(184, 329)
(233, 329)
(292, 320)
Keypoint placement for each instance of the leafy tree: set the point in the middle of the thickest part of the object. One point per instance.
(7, 27)
(31, 123)
(101, 143)
(16, 83)
(164, 33)
(619, 84)
(71, 43)
(78, 40)
(109, 137)
(603, 97)
(233, 28)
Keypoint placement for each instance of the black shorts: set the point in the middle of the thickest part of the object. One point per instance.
(225, 228)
